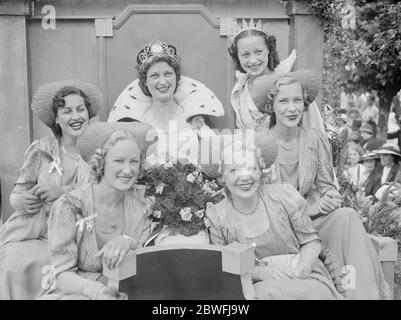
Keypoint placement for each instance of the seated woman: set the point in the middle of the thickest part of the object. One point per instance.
(273, 219)
(304, 160)
(175, 105)
(98, 223)
(52, 167)
(371, 179)
(390, 158)
(354, 170)
(254, 53)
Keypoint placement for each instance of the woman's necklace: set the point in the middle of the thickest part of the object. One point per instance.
(282, 146)
(286, 148)
(243, 212)
(76, 158)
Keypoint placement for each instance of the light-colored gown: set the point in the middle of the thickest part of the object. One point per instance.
(23, 237)
(342, 229)
(74, 239)
(290, 228)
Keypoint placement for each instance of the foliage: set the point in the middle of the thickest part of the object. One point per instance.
(382, 218)
(180, 193)
(364, 58)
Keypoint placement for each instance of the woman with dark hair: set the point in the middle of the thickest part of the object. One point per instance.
(254, 54)
(371, 178)
(52, 167)
(98, 223)
(171, 103)
(305, 161)
(390, 158)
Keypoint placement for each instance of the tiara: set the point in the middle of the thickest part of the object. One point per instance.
(238, 28)
(156, 48)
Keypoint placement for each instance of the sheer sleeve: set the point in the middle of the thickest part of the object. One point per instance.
(62, 234)
(297, 209)
(28, 173)
(325, 173)
(302, 225)
(217, 229)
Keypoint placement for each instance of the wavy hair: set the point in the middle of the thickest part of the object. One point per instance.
(59, 102)
(97, 162)
(270, 41)
(267, 107)
(143, 70)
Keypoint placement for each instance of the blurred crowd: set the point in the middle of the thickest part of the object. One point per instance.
(372, 155)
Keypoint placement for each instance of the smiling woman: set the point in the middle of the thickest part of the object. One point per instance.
(98, 223)
(304, 161)
(274, 220)
(52, 167)
(177, 106)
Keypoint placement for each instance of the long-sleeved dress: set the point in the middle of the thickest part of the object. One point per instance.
(290, 229)
(342, 229)
(74, 240)
(23, 237)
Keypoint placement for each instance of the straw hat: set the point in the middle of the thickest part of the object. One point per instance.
(42, 100)
(264, 85)
(389, 148)
(369, 156)
(96, 134)
(266, 148)
(366, 127)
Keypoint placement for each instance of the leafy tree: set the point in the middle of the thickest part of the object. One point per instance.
(365, 56)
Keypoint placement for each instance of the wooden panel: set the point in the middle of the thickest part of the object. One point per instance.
(14, 114)
(68, 52)
(14, 7)
(185, 271)
(217, 7)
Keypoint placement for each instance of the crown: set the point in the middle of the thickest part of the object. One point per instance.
(156, 48)
(238, 28)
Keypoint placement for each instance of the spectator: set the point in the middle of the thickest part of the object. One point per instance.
(369, 141)
(390, 159)
(371, 112)
(371, 177)
(354, 170)
(394, 122)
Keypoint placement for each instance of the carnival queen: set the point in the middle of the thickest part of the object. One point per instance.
(178, 107)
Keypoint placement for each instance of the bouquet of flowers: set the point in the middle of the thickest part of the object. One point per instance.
(180, 192)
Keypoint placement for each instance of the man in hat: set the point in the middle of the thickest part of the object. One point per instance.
(369, 141)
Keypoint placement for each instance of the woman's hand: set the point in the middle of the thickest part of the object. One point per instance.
(30, 202)
(108, 293)
(273, 271)
(329, 203)
(48, 192)
(114, 251)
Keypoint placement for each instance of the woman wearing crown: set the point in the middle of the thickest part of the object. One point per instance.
(177, 106)
(254, 54)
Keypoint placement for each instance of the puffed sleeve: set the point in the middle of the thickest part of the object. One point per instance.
(217, 229)
(62, 234)
(297, 209)
(28, 173)
(325, 175)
